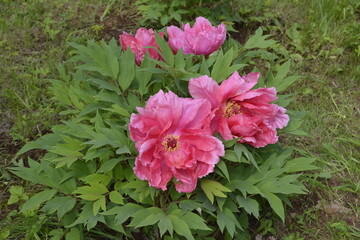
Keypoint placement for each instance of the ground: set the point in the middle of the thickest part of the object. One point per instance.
(322, 36)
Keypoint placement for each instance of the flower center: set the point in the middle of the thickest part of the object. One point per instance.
(171, 143)
(231, 109)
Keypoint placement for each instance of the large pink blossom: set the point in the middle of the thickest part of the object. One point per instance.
(240, 112)
(143, 38)
(202, 38)
(173, 138)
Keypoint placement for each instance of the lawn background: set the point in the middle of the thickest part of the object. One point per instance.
(322, 37)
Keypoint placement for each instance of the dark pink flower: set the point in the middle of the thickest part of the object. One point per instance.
(239, 111)
(143, 38)
(202, 38)
(173, 138)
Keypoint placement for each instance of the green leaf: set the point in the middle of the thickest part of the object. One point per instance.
(165, 224)
(222, 69)
(241, 149)
(111, 61)
(250, 205)
(227, 219)
(212, 188)
(146, 216)
(73, 234)
(286, 82)
(231, 156)
(149, 220)
(275, 204)
(165, 50)
(144, 74)
(116, 197)
(91, 193)
(181, 227)
(189, 205)
(100, 203)
(4, 234)
(109, 165)
(300, 164)
(204, 68)
(119, 110)
(37, 199)
(60, 205)
(62, 161)
(127, 69)
(16, 193)
(96, 178)
(258, 41)
(194, 221)
(279, 81)
(282, 71)
(222, 166)
(179, 60)
(123, 212)
(244, 186)
(44, 142)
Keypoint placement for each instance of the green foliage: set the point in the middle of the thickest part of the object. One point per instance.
(320, 37)
(89, 159)
(16, 194)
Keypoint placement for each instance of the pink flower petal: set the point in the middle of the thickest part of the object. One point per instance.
(138, 44)
(236, 85)
(173, 138)
(204, 87)
(200, 39)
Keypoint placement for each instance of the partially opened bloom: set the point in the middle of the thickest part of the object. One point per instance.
(173, 138)
(138, 43)
(202, 38)
(241, 112)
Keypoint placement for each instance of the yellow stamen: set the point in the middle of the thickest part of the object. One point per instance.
(231, 109)
(171, 143)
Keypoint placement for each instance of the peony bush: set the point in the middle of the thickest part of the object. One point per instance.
(169, 136)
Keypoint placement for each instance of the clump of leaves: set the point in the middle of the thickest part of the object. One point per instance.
(88, 168)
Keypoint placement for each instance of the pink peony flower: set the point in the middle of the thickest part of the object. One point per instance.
(202, 38)
(143, 38)
(173, 138)
(239, 111)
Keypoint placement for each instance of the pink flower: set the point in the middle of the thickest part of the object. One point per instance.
(143, 38)
(241, 112)
(202, 38)
(173, 138)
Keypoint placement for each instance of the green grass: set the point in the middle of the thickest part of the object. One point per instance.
(33, 40)
(327, 37)
(321, 36)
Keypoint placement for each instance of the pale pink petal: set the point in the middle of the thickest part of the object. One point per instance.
(224, 129)
(146, 151)
(236, 85)
(177, 39)
(221, 35)
(195, 114)
(202, 24)
(173, 138)
(205, 143)
(138, 44)
(157, 173)
(204, 87)
(280, 119)
(202, 38)
(203, 169)
(242, 126)
(260, 95)
(178, 159)
(187, 180)
(144, 36)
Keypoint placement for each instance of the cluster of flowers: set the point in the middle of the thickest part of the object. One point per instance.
(174, 136)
